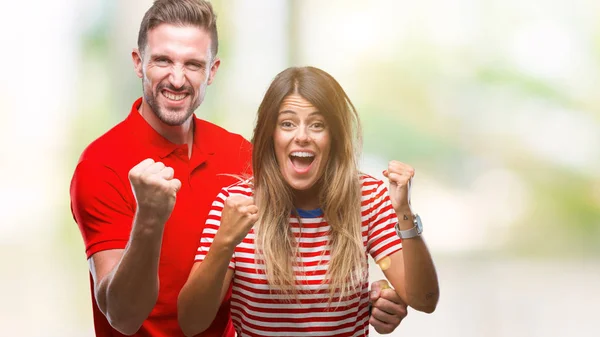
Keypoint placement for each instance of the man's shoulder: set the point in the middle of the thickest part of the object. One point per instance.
(219, 134)
(114, 146)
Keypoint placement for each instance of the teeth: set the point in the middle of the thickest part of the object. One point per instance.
(173, 97)
(302, 154)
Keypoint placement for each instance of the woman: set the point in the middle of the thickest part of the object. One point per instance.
(294, 239)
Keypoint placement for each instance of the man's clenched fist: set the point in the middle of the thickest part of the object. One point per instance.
(154, 189)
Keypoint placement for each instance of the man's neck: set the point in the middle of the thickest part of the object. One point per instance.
(178, 134)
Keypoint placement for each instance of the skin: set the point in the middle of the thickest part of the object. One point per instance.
(177, 60)
(300, 127)
(411, 272)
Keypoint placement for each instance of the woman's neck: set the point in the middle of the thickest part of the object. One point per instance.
(307, 199)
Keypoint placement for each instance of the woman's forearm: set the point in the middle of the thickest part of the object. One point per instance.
(201, 296)
(421, 282)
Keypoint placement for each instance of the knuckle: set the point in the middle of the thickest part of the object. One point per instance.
(143, 179)
(155, 181)
(230, 202)
(133, 175)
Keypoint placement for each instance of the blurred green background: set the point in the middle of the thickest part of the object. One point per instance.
(495, 103)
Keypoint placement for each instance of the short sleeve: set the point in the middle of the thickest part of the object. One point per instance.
(100, 208)
(383, 240)
(213, 221)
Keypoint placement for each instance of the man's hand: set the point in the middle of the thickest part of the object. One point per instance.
(387, 310)
(237, 218)
(154, 189)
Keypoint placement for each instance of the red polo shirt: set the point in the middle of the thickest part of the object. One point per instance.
(103, 206)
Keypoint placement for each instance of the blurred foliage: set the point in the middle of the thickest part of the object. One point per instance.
(441, 109)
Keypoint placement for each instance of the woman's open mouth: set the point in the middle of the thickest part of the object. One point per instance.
(302, 160)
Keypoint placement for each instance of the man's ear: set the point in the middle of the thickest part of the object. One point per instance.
(213, 70)
(138, 63)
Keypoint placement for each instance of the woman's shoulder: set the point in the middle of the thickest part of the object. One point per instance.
(243, 187)
(371, 187)
(368, 181)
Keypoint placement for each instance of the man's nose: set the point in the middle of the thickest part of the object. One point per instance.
(177, 77)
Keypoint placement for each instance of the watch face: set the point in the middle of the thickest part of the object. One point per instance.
(418, 224)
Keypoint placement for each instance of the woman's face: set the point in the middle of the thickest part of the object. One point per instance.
(302, 143)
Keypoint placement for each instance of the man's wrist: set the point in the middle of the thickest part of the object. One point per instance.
(148, 223)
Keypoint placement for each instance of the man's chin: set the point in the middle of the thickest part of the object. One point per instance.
(174, 117)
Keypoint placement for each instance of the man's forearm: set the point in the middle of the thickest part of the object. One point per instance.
(128, 294)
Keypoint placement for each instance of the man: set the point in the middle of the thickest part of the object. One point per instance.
(141, 192)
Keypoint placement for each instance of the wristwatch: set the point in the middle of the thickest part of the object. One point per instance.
(410, 233)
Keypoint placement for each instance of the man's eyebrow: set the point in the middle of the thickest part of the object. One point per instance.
(159, 56)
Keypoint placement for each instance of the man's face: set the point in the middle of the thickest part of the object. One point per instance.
(176, 67)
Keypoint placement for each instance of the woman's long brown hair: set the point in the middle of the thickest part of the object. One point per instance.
(340, 193)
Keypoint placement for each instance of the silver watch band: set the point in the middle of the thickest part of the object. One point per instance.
(413, 232)
(409, 233)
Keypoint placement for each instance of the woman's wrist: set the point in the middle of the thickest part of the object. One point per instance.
(405, 217)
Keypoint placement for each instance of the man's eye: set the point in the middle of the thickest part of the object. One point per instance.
(194, 66)
(161, 62)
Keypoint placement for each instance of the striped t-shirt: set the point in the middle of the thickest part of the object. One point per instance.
(258, 310)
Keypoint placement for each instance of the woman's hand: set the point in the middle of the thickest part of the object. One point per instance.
(237, 218)
(400, 177)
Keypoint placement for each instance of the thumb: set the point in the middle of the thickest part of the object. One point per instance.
(375, 291)
(377, 287)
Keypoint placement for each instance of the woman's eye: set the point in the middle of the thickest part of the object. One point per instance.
(286, 124)
(318, 125)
